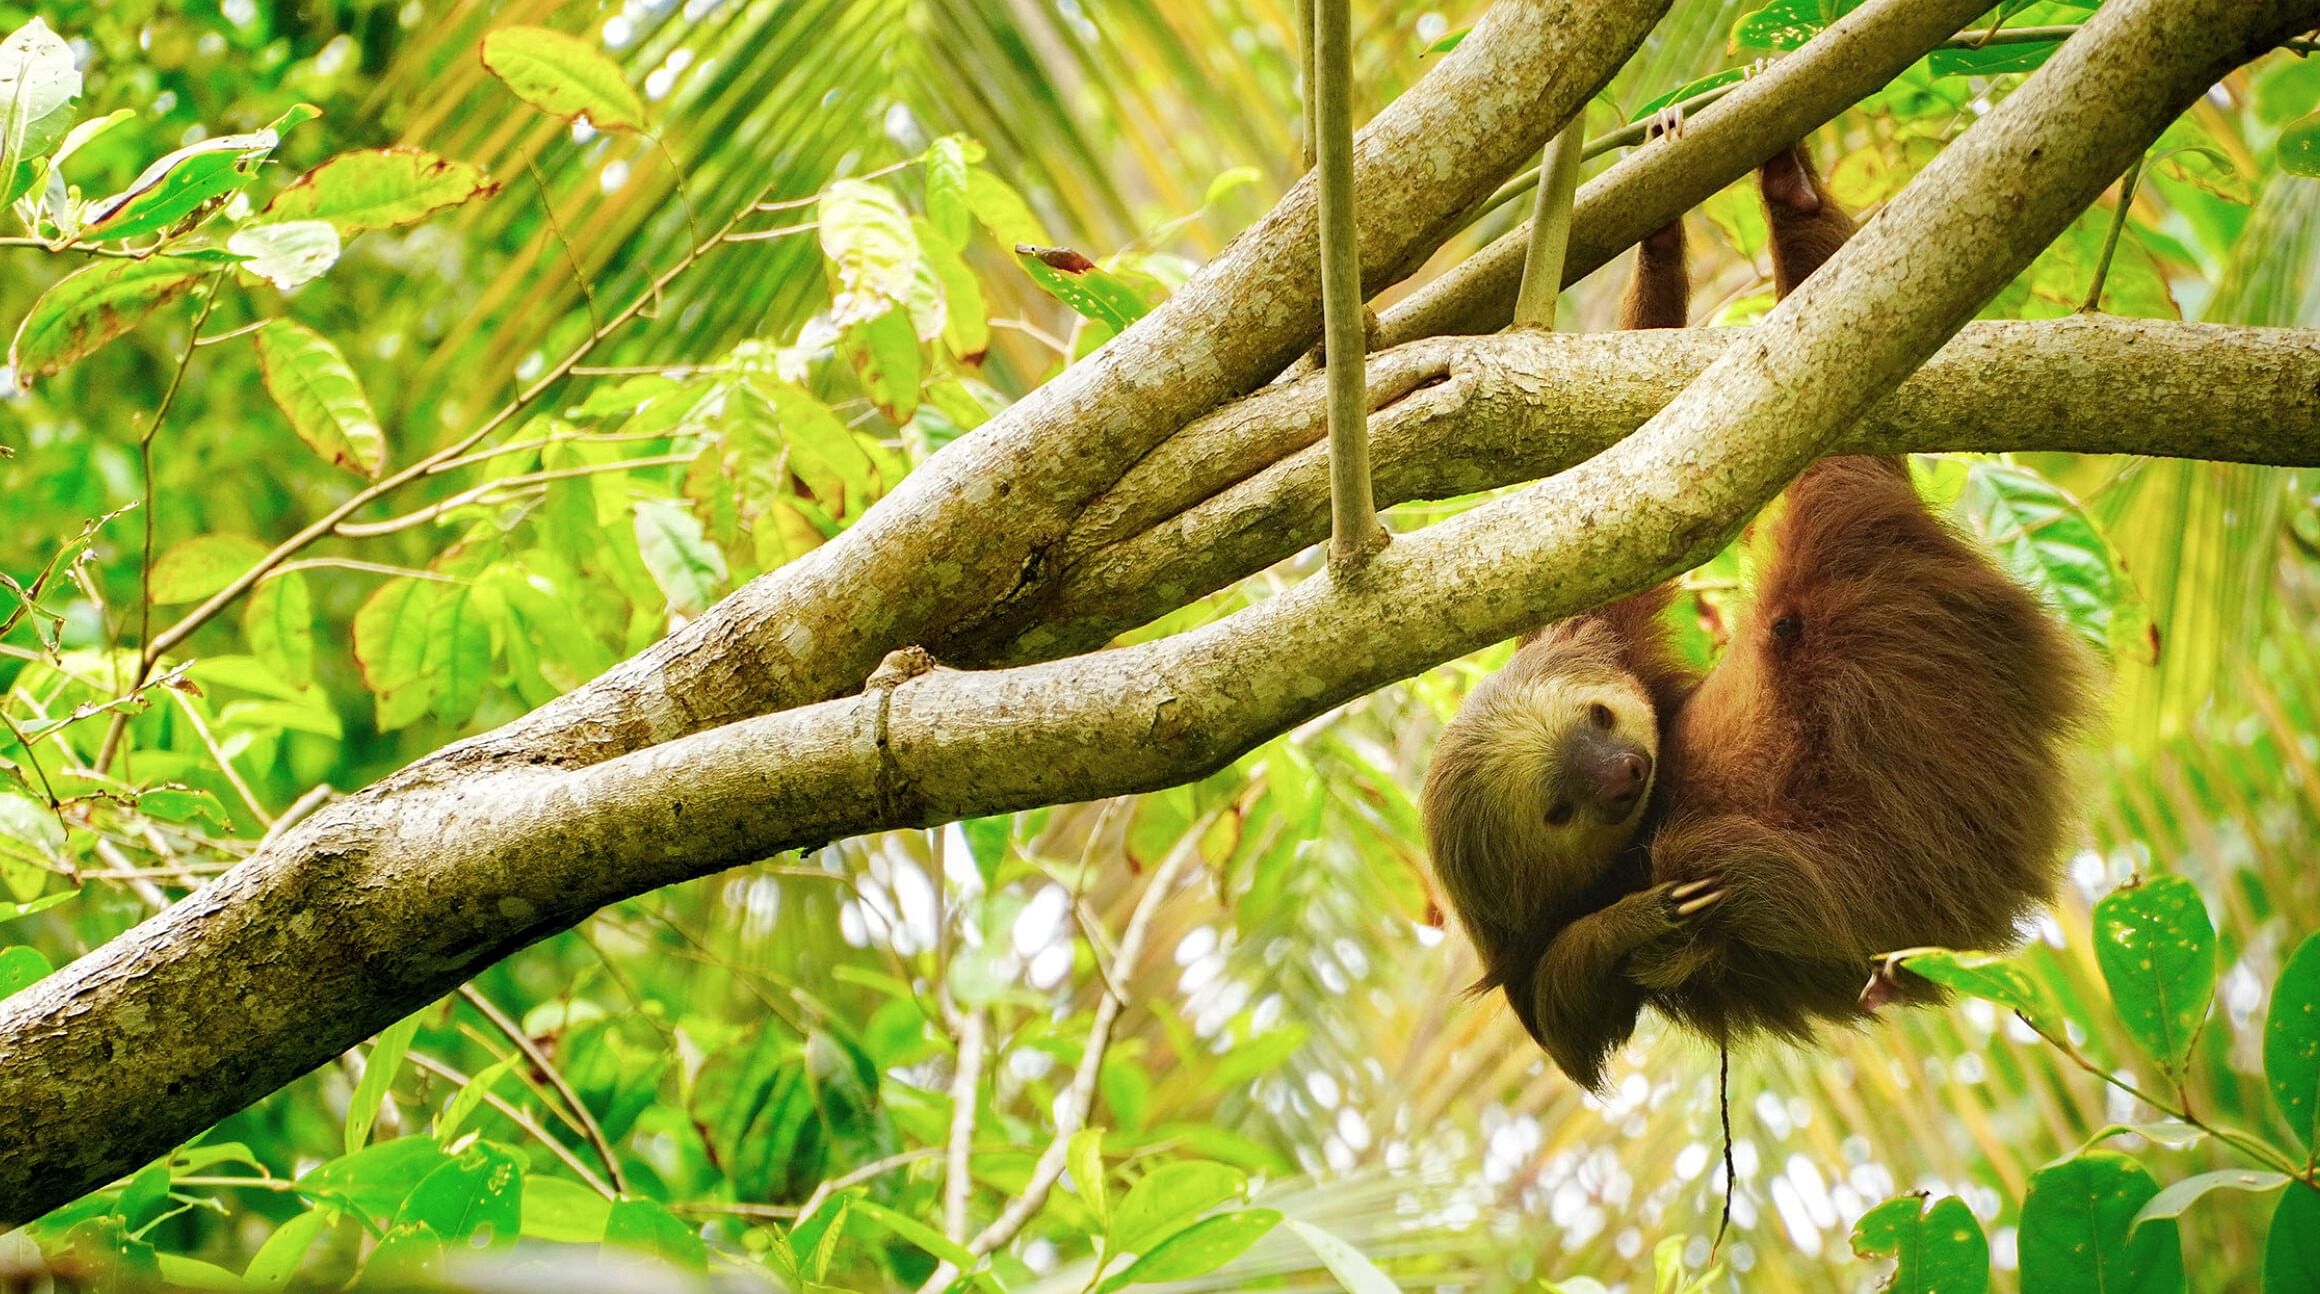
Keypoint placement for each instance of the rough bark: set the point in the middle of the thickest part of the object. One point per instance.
(395, 896)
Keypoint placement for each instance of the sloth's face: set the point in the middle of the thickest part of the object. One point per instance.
(1579, 752)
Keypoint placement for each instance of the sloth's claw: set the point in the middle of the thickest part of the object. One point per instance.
(1690, 900)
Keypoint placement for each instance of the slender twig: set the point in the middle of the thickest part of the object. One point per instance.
(485, 455)
(522, 1120)
(514, 1033)
(966, 1080)
(1305, 35)
(863, 1173)
(556, 235)
(482, 493)
(1071, 1109)
(2110, 245)
(684, 195)
(2231, 1136)
(1353, 525)
(778, 231)
(1542, 280)
(225, 765)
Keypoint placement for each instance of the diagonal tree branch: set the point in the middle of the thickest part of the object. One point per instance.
(388, 900)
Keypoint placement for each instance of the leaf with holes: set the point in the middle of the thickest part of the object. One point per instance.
(2078, 1234)
(92, 306)
(475, 1200)
(2292, 1043)
(564, 76)
(184, 186)
(1092, 291)
(2300, 146)
(379, 188)
(316, 388)
(2156, 948)
(1936, 1244)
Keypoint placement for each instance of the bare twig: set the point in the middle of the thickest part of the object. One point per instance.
(514, 1033)
(2110, 246)
(522, 1120)
(1354, 529)
(966, 1080)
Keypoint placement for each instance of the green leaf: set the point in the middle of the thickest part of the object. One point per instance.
(1787, 24)
(1989, 977)
(457, 654)
(873, 251)
(1937, 1244)
(453, 1116)
(379, 189)
(2292, 1043)
(2076, 1225)
(946, 190)
(688, 568)
(2292, 1244)
(1701, 85)
(193, 570)
(1992, 60)
(966, 325)
(2051, 544)
(1352, 1269)
(21, 966)
(286, 254)
(1200, 1248)
(183, 1273)
(564, 1211)
(564, 76)
(92, 306)
(918, 1233)
(375, 1181)
(987, 845)
(1001, 210)
(1084, 1156)
(2179, 1196)
(1168, 1197)
(645, 1227)
(885, 352)
(477, 1196)
(278, 1260)
(180, 185)
(386, 1056)
(2300, 146)
(318, 391)
(2156, 948)
(40, 839)
(38, 83)
(390, 646)
(1090, 290)
(278, 621)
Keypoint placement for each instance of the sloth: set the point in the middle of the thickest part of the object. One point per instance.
(1878, 761)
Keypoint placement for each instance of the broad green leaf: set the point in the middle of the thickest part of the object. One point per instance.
(966, 320)
(2171, 1202)
(319, 392)
(1787, 24)
(1198, 1249)
(1084, 1156)
(186, 804)
(22, 965)
(200, 566)
(13, 911)
(2050, 543)
(564, 1211)
(379, 1066)
(93, 305)
(1992, 60)
(1090, 290)
(947, 164)
(1937, 1245)
(1702, 85)
(408, 1256)
(453, 1116)
(478, 1196)
(286, 254)
(2292, 1043)
(1167, 1198)
(2292, 1243)
(565, 76)
(375, 1181)
(644, 1226)
(987, 845)
(2075, 1233)
(885, 352)
(2157, 952)
(1001, 210)
(873, 251)
(688, 568)
(185, 184)
(2300, 146)
(278, 621)
(390, 647)
(1349, 1265)
(183, 1273)
(917, 1233)
(38, 83)
(379, 189)
(32, 845)
(277, 1261)
(457, 654)
(1989, 977)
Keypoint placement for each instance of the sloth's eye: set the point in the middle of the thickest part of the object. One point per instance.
(1600, 714)
(1560, 814)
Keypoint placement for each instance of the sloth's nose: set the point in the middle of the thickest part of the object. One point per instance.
(1621, 780)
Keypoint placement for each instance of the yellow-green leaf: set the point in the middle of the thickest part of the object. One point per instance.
(91, 306)
(564, 75)
(379, 189)
(279, 624)
(201, 566)
(319, 392)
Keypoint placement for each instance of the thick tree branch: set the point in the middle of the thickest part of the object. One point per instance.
(390, 899)
(1476, 413)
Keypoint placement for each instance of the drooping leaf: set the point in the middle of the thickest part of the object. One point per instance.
(1197, 1249)
(1936, 1244)
(885, 352)
(1084, 1156)
(319, 392)
(200, 566)
(2078, 1234)
(2178, 1196)
(38, 83)
(379, 189)
(2292, 1243)
(947, 160)
(379, 1066)
(1990, 977)
(2156, 947)
(1090, 290)
(278, 621)
(1349, 1265)
(457, 654)
(688, 568)
(93, 305)
(1168, 1198)
(182, 184)
(390, 646)
(278, 1260)
(2292, 1043)
(645, 1226)
(565, 76)
(287, 254)
(872, 250)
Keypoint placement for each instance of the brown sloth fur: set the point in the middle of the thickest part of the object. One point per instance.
(1878, 760)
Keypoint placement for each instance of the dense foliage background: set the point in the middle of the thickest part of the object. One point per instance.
(681, 341)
